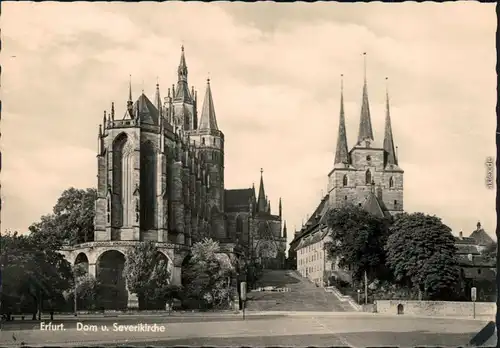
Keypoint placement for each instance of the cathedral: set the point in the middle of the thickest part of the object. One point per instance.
(367, 175)
(161, 178)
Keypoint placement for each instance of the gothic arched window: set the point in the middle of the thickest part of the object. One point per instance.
(368, 177)
(391, 182)
(239, 225)
(345, 180)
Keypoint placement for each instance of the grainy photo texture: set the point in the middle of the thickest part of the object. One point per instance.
(248, 174)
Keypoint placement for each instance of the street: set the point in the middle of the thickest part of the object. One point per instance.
(291, 329)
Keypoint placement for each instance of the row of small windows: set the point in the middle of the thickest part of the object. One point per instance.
(368, 179)
(309, 248)
(311, 258)
(213, 141)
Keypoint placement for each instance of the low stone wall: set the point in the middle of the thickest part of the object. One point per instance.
(437, 308)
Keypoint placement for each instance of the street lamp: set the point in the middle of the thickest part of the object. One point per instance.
(359, 296)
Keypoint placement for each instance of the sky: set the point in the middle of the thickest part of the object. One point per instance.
(275, 77)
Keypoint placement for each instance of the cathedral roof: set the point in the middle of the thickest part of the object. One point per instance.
(238, 198)
(147, 112)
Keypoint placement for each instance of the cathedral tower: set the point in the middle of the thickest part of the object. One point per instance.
(184, 101)
(210, 143)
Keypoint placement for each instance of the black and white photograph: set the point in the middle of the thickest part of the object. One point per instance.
(248, 174)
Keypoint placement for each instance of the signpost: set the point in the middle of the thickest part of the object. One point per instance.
(243, 295)
(473, 292)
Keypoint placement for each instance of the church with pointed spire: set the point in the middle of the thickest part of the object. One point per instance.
(367, 175)
(160, 178)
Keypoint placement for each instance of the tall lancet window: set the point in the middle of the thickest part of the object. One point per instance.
(239, 225)
(148, 186)
(121, 177)
(391, 182)
(345, 180)
(368, 177)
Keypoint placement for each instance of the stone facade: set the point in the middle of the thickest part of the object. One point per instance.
(160, 177)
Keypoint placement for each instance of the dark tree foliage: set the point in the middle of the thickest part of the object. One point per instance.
(147, 274)
(72, 221)
(207, 276)
(358, 240)
(421, 252)
(33, 274)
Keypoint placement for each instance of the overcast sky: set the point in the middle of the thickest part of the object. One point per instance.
(274, 72)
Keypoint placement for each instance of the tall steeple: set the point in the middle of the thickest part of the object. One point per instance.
(261, 200)
(390, 152)
(342, 152)
(284, 230)
(182, 92)
(365, 123)
(208, 119)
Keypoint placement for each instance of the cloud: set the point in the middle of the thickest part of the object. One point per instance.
(275, 72)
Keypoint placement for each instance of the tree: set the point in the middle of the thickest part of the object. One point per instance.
(31, 274)
(72, 221)
(146, 271)
(421, 252)
(208, 275)
(358, 240)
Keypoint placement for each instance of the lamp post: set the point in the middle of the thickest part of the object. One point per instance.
(359, 295)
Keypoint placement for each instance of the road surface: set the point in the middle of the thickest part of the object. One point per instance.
(289, 329)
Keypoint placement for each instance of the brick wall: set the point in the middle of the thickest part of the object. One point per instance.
(438, 308)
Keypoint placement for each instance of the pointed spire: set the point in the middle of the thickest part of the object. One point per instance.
(208, 119)
(182, 69)
(390, 152)
(129, 88)
(182, 93)
(280, 208)
(365, 123)
(129, 114)
(284, 229)
(261, 201)
(342, 151)
(158, 98)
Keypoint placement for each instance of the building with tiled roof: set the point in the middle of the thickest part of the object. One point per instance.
(477, 269)
(161, 178)
(368, 175)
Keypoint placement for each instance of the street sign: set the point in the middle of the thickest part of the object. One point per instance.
(473, 292)
(243, 291)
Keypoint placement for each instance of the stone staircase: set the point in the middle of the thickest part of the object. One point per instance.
(297, 294)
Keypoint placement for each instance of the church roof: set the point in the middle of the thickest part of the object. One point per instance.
(238, 198)
(374, 206)
(314, 219)
(148, 113)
